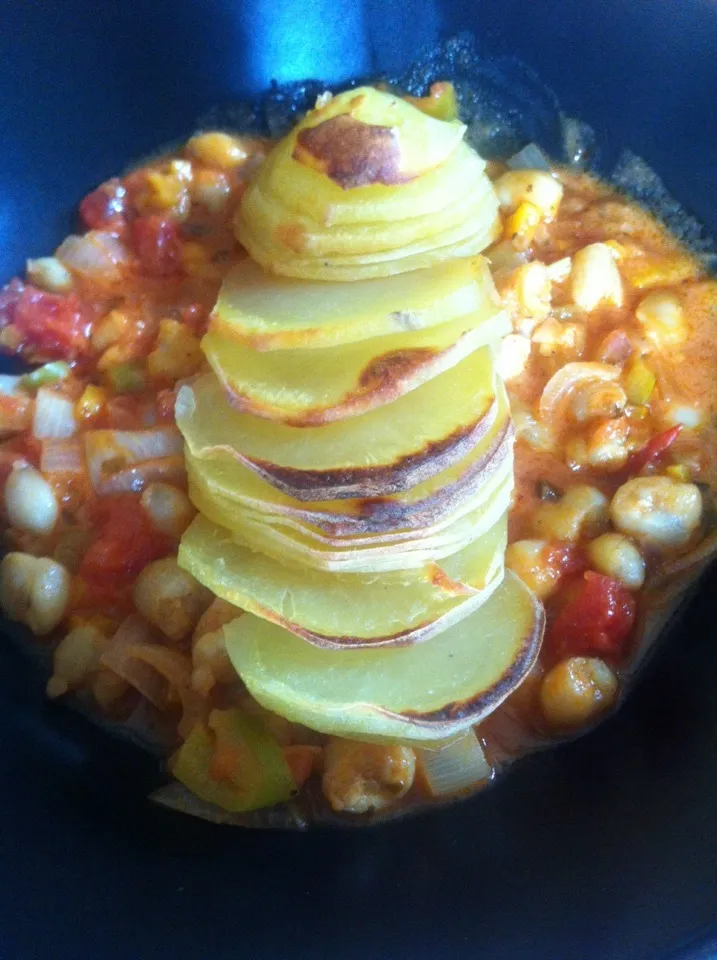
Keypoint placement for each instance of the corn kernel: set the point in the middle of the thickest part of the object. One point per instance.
(90, 403)
(176, 354)
(164, 191)
(639, 382)
(520, 226)
(679, 471)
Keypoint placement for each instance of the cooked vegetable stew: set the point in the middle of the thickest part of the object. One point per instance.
(320, 438)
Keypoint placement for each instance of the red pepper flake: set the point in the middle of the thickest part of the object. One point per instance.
(653, 450)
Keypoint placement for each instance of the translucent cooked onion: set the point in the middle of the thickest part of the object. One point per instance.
(54, 415)
(113, 457)
(457, 766)
(154, 670)
(531, 157)
(64, 455)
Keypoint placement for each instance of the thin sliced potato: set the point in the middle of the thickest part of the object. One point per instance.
(346, 610)
(466, 240)
(292, 547)
(381, 452)
(275, 313)
(321, 386)
(265, 215)
(230, 512)
(435, 502)
(428, 691)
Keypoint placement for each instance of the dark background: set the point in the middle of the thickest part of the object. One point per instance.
(606, 848)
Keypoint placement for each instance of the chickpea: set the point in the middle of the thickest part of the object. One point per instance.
(657, 511)
(581, 511)
(359, 777)
(528, 560)
(662, 318)
(169, 508)
(107, 688)
(532, 290)
(34, 591)
(30, 501)
(576, 691)
(529, 186)
(595, 278)
(75, 658)
(615, 556)
(217, 149)
(170, 598)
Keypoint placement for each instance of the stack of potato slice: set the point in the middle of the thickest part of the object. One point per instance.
(351, 452)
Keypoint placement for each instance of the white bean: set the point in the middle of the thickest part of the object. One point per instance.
(662, 319)
(34, 590)
(657, 511)
(30, 501)
(615, 556)
(595, 278)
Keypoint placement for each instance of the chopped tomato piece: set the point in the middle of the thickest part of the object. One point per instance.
(51, 324)
(654, 449)
(125, 541)
(157, 245)
(597, 619)
(106, 207)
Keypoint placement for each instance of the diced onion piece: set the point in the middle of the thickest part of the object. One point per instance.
(112, 454)
(567, 379)
(531, 157)
(63, 455)
(459, 765)
(54, 415)
(96, 254)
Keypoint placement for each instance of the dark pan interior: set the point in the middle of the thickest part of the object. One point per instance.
(605, 848)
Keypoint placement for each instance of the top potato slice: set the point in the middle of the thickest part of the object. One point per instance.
(306, 191)
(367, 136)
(277, 313)
(385, 450)
(313, 387)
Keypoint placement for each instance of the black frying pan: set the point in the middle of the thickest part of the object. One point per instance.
(604, 848)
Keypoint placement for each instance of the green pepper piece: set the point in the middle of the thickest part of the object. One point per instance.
(42, 376)
(255, 772)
